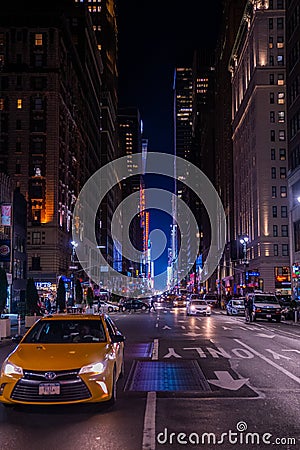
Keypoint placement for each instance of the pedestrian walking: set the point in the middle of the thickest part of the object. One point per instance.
(152, 305)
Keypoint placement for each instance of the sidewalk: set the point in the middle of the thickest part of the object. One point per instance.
(13, 332)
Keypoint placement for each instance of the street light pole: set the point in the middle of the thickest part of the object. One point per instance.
(244, 241)
(74, 245)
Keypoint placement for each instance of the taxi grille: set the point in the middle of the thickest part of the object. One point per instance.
(70, 390)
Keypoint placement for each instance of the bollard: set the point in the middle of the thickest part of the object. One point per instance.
(19, 324)
(296, 315)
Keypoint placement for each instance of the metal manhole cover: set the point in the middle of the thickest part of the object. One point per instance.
(167, 376)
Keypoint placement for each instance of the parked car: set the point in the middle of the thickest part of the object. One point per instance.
(236, 306)
(134, 304)
(265, 306)
(198, 307)
(81, 362)
(211, 299)
(179, 301)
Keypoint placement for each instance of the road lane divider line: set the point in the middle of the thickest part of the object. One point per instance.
(269, 361)
(155, 350)
(149, 422)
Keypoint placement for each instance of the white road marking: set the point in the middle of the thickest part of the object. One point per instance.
(183, 327)
(166, 327)
(155, 349)
(269, 361)
(277, 355)
(270, 336)
(149, 422)
(171, 352)
(291, 350)
(198, 350)
(226, 381)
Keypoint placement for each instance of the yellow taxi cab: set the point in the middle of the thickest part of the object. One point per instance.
(64, 359)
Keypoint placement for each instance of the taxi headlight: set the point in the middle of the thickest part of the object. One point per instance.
(9, 369)
(96, 368)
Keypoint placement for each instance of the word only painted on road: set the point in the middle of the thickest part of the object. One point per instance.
(219, 352)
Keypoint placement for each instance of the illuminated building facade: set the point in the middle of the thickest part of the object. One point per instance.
(183, 104)
(51, 110)
(293, 120)
(257, 65)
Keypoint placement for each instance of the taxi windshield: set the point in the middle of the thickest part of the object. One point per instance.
(66, 331)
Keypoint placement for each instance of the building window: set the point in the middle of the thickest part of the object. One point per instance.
(38, 59)
(272, 98)
(280, 98)
(280, 4)
(297, 235)
(284, 212)
(281, 135)
(271, 60)
(272, 135)
(273, 154)
(280, 43)
(280, 79)
(270, 24)
(274, 211)
(282, 154)
(275, 249)
(273, 173)
(36, 238)
(282, 172)
(280, 60)
(271, 78)
(38, 39)
(19, 103)
(283, 191)
(272, 116)
(274, 192)
(1, 104)
(37, 104)
(275, 230)
(35, 263)
(270, 41)
(284, 230)
(18, 124)
(285, 250)
(280, 23)
(281, 116)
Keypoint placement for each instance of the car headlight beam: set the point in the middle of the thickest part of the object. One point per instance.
(9, 369)
(96, 368)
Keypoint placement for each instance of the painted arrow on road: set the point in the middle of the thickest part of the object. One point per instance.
(166, 327)
(226, 381)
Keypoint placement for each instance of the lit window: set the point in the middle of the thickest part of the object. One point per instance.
(280, 80)
(270, 42)
(283, 191)
(38, 40)
(19, 103)
(281, 135)
(281, 116)
(280, 43)
(282, 154)
(280, 98)
(1, 104)
(280, 60)
(282, 172)
(99, 47)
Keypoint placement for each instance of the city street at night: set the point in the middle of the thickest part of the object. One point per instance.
(184, 377)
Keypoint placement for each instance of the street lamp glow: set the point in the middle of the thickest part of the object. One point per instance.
(298, 199)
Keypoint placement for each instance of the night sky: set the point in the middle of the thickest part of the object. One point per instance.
(154, 37)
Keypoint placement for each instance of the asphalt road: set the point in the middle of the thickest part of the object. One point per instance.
(190, 382)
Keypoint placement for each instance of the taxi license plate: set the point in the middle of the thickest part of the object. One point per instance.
(49, 389)
(268, 316)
